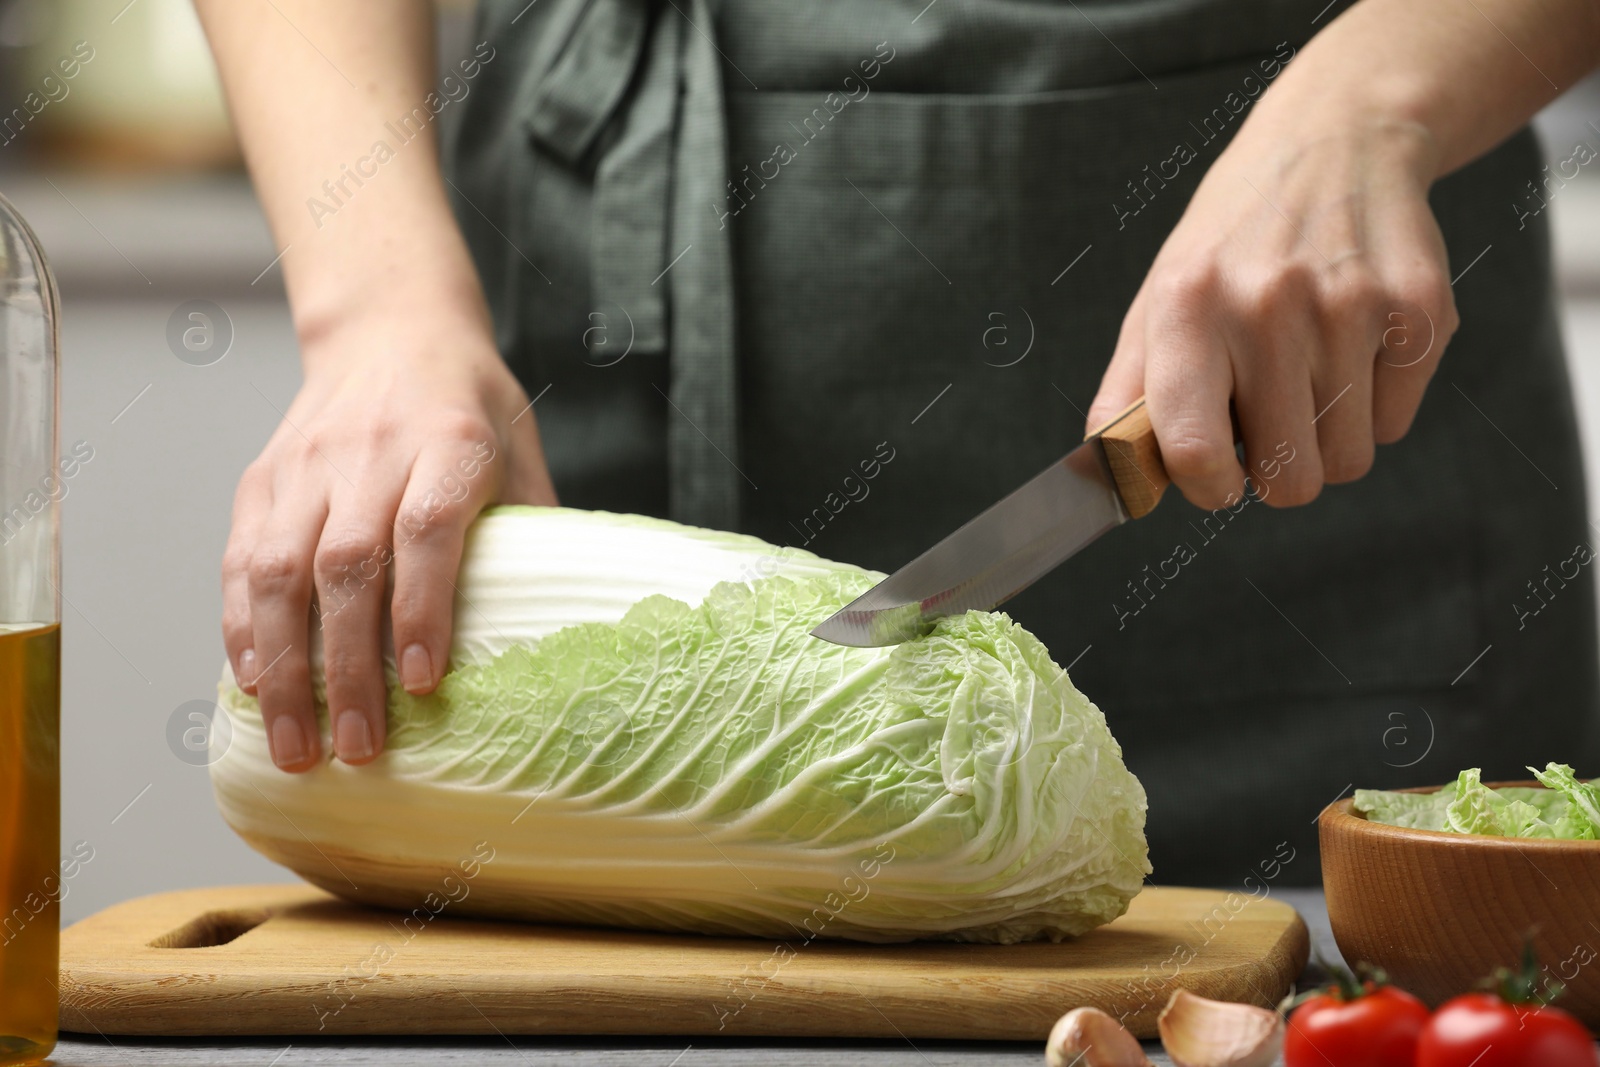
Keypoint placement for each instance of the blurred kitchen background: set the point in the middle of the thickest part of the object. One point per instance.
(130, 176)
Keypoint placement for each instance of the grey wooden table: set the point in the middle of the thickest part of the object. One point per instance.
(78, 1050)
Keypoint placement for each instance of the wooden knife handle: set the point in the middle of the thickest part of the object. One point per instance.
(1135, 459)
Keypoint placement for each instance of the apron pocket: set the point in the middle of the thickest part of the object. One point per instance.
(944, 277)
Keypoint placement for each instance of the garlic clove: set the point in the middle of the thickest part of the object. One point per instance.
(1197, 1032)
(1088, 1037)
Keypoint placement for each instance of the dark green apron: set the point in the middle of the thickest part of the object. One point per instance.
(839, 274)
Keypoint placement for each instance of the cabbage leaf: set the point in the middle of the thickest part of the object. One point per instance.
(1567, 809)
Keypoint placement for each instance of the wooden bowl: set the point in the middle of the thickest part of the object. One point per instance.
(1440, 911)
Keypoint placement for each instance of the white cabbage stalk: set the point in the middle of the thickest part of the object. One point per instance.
(641, 732)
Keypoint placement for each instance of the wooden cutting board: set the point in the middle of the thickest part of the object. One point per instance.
(293, 960)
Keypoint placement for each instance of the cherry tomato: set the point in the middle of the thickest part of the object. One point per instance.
(1377, 1027)
(1484, 1030)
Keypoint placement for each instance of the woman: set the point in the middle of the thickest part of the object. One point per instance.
(741, 254)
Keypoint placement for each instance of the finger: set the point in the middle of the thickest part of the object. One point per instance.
(1123, 381)
(1342, 380)
(252, 502)
(1188, 381)
(351, 565)
(1276, 405)
(1343, 425)
(280, 603)
(1414, 336)
(448, 487)
(524, 475)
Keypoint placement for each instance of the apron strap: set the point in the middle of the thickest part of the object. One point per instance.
(657, 243)
(577, 112)
(632, 197)
(704, 427)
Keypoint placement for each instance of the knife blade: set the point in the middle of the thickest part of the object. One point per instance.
(1114, 476)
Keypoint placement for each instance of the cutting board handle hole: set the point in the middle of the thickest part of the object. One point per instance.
(212, 928)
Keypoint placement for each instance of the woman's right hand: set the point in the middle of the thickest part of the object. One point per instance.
(403, 431)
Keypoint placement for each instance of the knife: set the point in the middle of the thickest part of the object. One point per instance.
(1114, 476)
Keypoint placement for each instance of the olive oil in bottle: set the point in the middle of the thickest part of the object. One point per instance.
(30, 817)
(32, 484)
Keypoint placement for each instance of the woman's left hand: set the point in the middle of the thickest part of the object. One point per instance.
(1306, 283)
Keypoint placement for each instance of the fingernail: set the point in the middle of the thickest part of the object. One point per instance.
(416, 669)
(353, 738)
(247, 668)
(288, 742)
